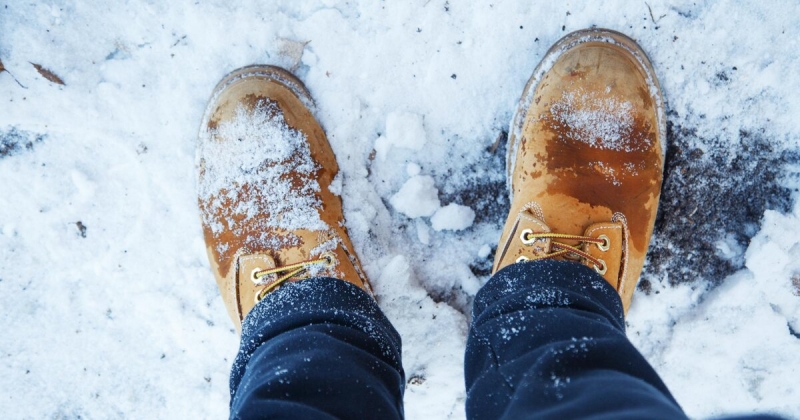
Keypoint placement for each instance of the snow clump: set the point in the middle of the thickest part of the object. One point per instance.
(418, 197)
(403, 129)
(453, 217)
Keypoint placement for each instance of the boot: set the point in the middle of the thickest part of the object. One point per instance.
(585, 159)
(265, 170)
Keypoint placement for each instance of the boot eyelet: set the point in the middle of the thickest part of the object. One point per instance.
(253, 275)
(606, 245)
(260, 295)
(522, 258)
(525, 236)
(330, 260)
(602, 269)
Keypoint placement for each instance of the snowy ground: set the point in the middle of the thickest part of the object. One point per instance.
(109, 309)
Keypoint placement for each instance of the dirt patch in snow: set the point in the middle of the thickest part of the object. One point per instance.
(15, 141)
(715, 190)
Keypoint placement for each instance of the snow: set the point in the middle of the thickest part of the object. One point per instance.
(423, 231)
(484, 251)
(109, 305)
(412, 169)
(601, 122)
(403, 129)
(753, 319)
(452, 217)
(418, 197)
(244, 151)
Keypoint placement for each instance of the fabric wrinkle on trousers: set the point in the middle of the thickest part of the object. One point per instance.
(318, 348)
(547, 341)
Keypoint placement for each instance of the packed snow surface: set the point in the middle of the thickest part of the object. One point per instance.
(109, 308)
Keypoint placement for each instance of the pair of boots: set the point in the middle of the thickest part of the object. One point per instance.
(585, 159)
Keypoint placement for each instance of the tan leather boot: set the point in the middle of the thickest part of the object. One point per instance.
(585, 159)
(267, 207)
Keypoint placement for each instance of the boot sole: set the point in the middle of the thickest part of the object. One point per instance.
(564, 44)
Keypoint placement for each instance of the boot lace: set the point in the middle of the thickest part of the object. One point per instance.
(287, 272)
(528, 237)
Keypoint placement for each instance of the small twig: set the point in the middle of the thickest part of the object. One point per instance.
(178, 41)
(501, 137)
(652, 17)
(651, 13)
(3, 69)
(15, 79)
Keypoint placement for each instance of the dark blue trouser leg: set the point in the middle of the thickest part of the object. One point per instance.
(548, 341)
(319, 348)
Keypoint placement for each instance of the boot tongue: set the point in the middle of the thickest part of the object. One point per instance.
(529, 221)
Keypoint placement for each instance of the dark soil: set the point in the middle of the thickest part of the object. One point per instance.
(15, 141)
(486, 195)
(709, 195)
